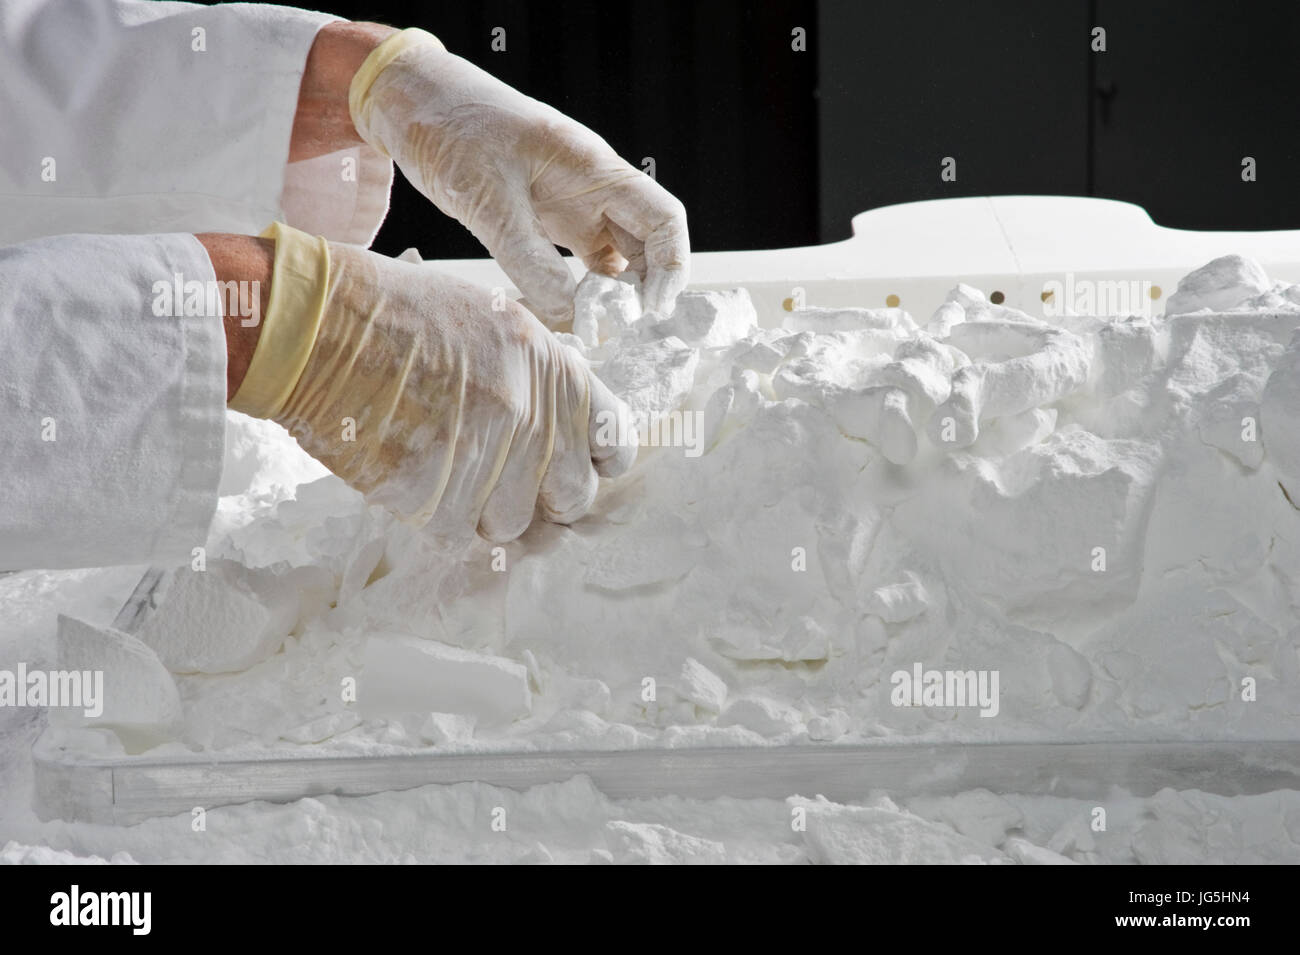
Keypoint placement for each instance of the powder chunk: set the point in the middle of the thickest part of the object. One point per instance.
(899, 602)
(829, 727)
(763, 716)
(979, 814)
(1281, 403)
(403, 675)
(447, 728)
(604, 307)
(138, 692)
(1071, 675)
(653, 378)
(645, 843)
(710, 319)
(222, 619)
(701, 686)
(1219, 286)
(815, 319)
(873, 835)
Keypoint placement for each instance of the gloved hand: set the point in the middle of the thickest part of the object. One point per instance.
(386, 372)
(521, 176)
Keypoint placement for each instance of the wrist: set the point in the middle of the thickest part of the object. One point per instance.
(323, 123)
(247, 261)
(299, 281)
(381, 62)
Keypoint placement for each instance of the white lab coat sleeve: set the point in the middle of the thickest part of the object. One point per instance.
(112, 405)
(136, 116)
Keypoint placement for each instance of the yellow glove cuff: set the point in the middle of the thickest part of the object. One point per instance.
(378, 60)
(299, 282)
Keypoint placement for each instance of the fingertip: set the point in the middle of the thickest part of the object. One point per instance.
(535, 266)
(613, 434)
(507, 514)
(571, 502)
(500, 534)
(554, 303)
(557, 320)
(661, 288)
(619, 462)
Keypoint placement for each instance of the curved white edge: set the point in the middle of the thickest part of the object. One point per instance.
(1015, 245)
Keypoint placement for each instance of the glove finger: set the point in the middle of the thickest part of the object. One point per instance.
(510, 506)
(480, 457)
(570, 483)
(569, 486)
(526, 254)
(632, 248)
(612, 435)
(658, 219)
(606, 261)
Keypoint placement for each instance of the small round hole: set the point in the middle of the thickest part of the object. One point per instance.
(997, 298)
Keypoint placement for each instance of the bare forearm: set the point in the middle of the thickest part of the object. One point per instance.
(322, 123)
(241, 258)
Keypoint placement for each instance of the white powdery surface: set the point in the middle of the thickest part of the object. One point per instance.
(138, 695)
(1092, 510)
(1098, 510)
(573, 823)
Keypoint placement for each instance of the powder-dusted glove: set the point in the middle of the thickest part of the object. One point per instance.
(520, 175)
(388, 373)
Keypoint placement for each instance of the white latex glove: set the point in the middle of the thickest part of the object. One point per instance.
(521, 176)
(413, 398)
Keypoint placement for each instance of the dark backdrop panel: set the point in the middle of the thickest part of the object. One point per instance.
(711, 91)
(768, 147)
(999, 87)
(1191, 89)
(1014, 92)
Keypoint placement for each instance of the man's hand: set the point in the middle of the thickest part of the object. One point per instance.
(406, 383)
(520, 175)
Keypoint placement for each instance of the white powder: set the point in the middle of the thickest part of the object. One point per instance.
(402, 676)
(1099, 526)
(1103, 521)
(138, 696)
(221, 618)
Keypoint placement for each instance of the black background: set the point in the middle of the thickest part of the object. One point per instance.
(769, 147)
(321, 906)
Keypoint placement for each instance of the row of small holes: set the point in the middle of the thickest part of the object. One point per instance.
(1155, 292)
(891, 301)
(997, 298)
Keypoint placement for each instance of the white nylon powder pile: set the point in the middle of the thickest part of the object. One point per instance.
(857, 495)
(1096, 510)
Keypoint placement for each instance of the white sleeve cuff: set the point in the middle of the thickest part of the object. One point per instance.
(113, 395)
(146, 117)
